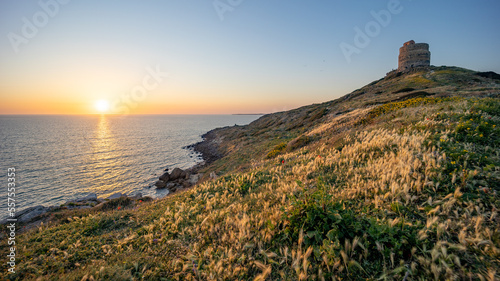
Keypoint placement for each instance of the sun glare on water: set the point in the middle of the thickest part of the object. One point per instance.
(102, 106)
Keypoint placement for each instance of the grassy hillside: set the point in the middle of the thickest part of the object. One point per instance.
(242, 145)
(387, 182)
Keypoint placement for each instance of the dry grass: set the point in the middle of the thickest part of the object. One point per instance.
(384, 183)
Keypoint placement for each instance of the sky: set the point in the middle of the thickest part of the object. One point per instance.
(222, 56)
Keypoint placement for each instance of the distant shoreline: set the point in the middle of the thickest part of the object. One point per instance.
(249, 114)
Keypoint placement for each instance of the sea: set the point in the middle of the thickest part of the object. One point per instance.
(61, 158)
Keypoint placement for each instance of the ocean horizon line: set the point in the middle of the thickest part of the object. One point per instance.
(155, 114)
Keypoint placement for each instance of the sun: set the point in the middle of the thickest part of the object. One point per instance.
(102, 106)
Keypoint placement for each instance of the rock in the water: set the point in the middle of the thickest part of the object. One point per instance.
(184, 183)
(160, 184)
(177, 173)
(116, 195)
(90, 197)
(170, 185)
(138, 196)
(30, 213)
(165, 177)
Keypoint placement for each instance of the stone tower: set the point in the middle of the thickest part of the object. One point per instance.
(413, 55)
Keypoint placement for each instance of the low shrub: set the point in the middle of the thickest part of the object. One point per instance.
(276, 150)
(324, 221)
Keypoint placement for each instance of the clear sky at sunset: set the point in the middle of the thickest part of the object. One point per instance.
(222, 56)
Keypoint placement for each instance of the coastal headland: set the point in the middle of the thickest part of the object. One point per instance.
(396, 180)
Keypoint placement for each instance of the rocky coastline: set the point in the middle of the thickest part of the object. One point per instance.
(180, 179)
(38, 215)
(174, 181)
(208, 147)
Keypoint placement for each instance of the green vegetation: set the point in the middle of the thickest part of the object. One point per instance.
(276, 150)
(394, 106)
(405, 189)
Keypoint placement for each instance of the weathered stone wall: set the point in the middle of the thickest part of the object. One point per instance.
(413, 55)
